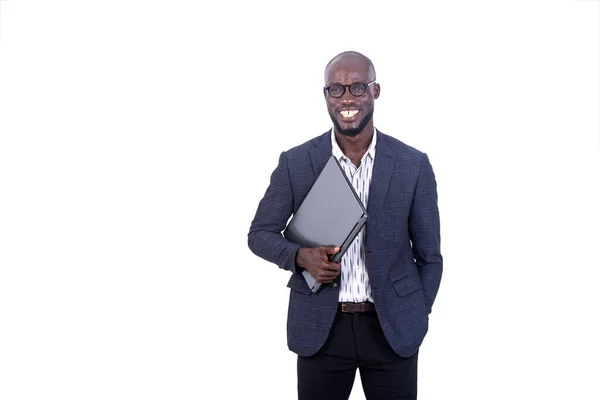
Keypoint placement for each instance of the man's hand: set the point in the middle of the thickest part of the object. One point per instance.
(316, 262)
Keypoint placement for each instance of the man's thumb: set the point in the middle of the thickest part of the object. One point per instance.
(333, 250)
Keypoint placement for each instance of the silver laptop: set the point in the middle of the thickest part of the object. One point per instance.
(331, 214)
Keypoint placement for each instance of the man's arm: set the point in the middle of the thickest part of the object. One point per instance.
(265, 238)
(424, 228)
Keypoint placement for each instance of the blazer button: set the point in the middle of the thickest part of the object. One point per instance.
(334, 285)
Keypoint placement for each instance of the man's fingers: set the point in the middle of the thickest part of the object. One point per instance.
(328, 274)
(332, 267)
(329, 266)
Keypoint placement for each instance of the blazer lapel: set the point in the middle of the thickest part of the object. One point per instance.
(382, 173)
(320, 152)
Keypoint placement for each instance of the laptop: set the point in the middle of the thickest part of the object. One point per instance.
(331, 214)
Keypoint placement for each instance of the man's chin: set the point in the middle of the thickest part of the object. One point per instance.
(347, 129)
(349, 132)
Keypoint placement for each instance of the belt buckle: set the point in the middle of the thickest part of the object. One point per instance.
(344, 307)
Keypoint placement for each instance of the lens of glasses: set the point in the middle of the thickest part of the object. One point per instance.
(358, 89)
(336, 90)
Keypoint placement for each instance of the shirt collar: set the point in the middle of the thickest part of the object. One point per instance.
(339, 154)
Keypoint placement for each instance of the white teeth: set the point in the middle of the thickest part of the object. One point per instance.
(348, 113)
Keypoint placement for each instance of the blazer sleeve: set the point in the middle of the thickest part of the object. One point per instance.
(265, 238)
(424, 230)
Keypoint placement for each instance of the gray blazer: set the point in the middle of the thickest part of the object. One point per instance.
(402, 242)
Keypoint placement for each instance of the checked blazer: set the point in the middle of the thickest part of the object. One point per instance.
(402, 243)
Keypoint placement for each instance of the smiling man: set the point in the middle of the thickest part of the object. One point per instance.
(372, 312)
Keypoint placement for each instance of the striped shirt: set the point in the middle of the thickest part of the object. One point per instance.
(355, 281)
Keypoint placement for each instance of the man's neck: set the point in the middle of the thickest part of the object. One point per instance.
(355, 145)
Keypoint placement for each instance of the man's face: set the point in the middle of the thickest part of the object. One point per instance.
(350, 114)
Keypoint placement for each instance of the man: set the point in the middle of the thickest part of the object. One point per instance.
(373, 308)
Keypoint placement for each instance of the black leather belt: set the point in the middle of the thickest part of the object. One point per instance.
(357, 307)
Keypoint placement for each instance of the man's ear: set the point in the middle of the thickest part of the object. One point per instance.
(325, 93)
(376, 90)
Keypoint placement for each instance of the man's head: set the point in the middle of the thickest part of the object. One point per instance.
(351, 113)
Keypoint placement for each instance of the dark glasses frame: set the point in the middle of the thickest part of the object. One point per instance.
(352, 88)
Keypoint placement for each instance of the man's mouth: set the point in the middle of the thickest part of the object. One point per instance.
(348, 114)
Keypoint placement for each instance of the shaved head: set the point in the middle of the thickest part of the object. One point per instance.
(350, 56)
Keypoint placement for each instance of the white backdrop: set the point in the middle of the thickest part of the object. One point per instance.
(137, 137)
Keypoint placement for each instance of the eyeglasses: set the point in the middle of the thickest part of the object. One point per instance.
(356, 89)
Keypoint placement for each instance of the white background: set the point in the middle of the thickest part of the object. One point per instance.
(137, 137)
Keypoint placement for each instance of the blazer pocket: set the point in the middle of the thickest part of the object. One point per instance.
(298, 284)
(407, 285)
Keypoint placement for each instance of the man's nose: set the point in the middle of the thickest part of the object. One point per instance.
(347, 97)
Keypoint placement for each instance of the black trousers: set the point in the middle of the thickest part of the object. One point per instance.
(357, 341)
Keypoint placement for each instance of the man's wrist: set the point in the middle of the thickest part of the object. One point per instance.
(299, 268)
